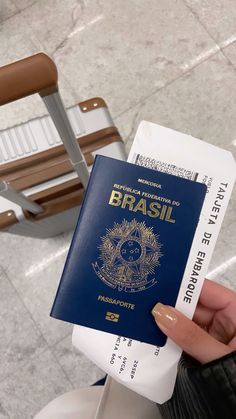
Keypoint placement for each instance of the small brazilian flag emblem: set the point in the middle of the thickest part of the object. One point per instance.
(112, 317)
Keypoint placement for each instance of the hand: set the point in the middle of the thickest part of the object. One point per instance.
(212, 333)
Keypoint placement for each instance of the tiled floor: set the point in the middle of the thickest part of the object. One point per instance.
(168, 61)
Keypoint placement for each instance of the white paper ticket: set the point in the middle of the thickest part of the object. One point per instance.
(144, 368)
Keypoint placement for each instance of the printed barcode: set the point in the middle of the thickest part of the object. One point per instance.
(169, 168)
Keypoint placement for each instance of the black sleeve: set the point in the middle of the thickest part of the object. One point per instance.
(203, 391)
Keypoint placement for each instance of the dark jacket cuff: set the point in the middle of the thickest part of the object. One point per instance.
(203, 391)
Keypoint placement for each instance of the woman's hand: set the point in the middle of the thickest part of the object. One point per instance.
(212, 333)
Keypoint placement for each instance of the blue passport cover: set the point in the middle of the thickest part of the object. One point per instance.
(129, 249)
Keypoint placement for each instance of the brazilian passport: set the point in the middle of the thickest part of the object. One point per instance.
(129, 249)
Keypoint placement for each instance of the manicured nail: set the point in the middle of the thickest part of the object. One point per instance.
(164, 315)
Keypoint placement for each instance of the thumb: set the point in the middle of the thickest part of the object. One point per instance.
(188, 335)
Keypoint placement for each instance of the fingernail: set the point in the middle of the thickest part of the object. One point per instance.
(164, 315)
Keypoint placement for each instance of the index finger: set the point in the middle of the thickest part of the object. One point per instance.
(216, 296)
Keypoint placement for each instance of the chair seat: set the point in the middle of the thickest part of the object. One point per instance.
(77, 404)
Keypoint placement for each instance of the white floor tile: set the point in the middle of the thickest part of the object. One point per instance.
(7, 9)
(218, 17)
(20, 338)
(35, 271)
(31, 387)
(121, 56)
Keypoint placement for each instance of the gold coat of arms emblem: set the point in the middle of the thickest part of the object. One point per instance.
(129, 254)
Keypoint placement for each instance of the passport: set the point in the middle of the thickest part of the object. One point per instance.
(129, 249)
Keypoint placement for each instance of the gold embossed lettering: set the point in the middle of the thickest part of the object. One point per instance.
(115, 198)
(168, 215)
(153, 211)
(141, 206)
(128, 200)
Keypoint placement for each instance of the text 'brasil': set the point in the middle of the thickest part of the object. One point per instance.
(152, 209)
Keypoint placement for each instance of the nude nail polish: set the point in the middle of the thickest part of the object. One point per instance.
(164, 315)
